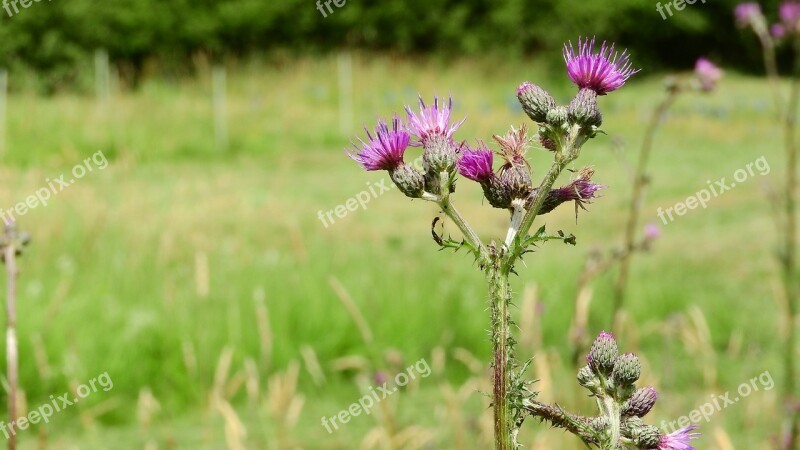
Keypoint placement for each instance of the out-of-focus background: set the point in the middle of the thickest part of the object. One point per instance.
(193, 263)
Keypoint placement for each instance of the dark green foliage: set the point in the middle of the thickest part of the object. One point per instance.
(53, 37)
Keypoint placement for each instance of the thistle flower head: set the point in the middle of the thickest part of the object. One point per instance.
(789, 12)
(432, 121)
(652, 231)
(707, 74)
(777, 30)
(679, 440)
(746, 13)
(476, 164)
(384, 150)
(603, 71)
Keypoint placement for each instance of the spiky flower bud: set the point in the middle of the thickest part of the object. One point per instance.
(496, 193)
(647, 436)
(583, 109)
(408, 180)
(599, 425)
(516, 180)
(603, 354)
(587, 378)
(535, 101)
(627, 369)
(640, 403)
(557, 116)
(440, 155)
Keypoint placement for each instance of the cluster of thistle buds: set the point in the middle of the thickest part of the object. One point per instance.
(611, 378)
(562, 130)
(749, 14)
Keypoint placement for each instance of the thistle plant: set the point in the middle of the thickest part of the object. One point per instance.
(562, 130)
(788, 31)
(611, 379)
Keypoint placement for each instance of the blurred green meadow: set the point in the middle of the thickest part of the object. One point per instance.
(204, 283)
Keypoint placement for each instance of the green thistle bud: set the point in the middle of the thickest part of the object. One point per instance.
(603, 354)
(558, 116)
(648, 437)
(535, 101)
(440, 155)
(587, 378)
(627, 370)
(408, 180)
(583, 109)
(496, 193)
(640, 403)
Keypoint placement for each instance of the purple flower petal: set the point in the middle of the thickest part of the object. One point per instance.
(602, 72)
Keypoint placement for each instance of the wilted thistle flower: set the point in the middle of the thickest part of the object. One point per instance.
(535, 101)
(515, 173)
(707, 74)
(603, 354)
(602, 72)
(581, 191)
(640, 403)
(679, 440)
(385, 150)
(747, 13)
(433, 131)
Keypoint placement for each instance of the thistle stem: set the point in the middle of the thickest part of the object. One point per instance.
(639, 182)
(500, 296)
(789, 260)
(9, 254)
(566, 154)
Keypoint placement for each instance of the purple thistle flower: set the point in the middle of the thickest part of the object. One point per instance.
(707, 74)
(778, 31)
(679, 440)
(746, 12)
(652, 231)
(789, 12)
(431, 121)
(602, 72)
(384, 150)
(476, 164)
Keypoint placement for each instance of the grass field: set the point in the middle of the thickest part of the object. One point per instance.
(201, 280)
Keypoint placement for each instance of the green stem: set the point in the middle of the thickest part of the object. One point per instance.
(639, 182)
(790, 257)
(567, 154)
(500, 296)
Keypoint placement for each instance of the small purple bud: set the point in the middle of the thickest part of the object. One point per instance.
(640, 403)
(707, 74)
(652, 231)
